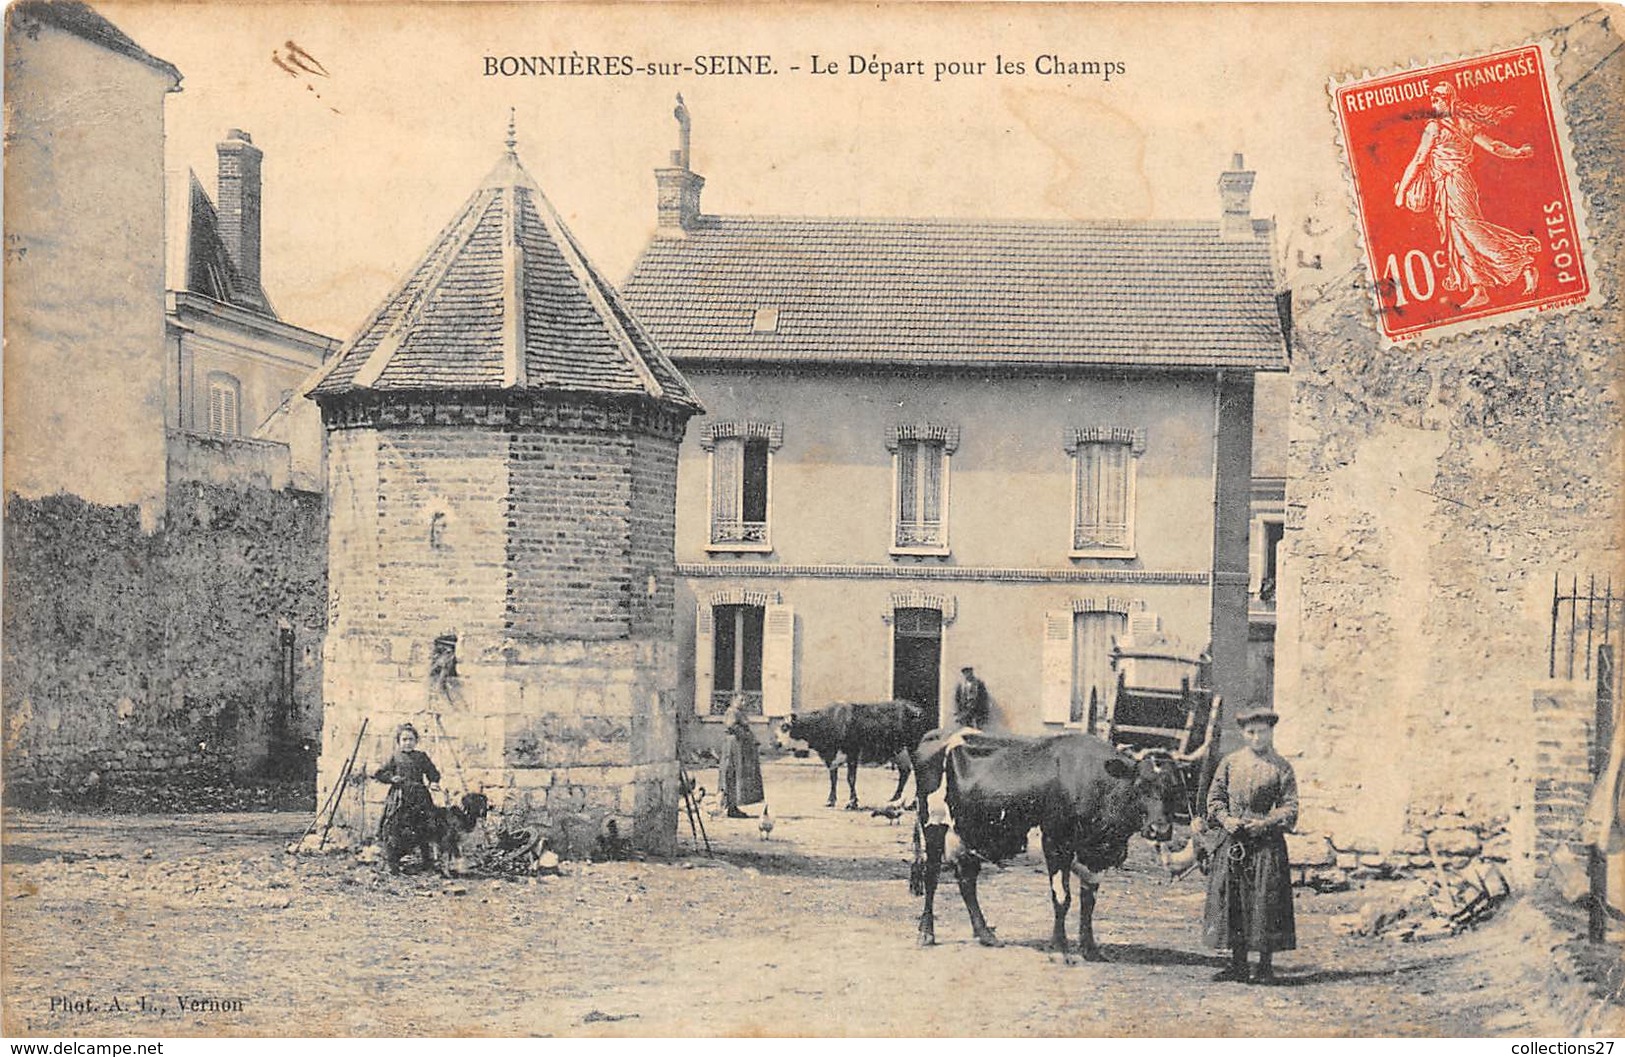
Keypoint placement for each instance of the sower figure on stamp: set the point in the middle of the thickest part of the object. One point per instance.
(1480, 254)
(970, 700)
(409, 810)
(1254, 799)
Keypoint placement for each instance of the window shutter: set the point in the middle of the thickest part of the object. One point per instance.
(1055, 695)
(931, 457)
(908, 472)
(727, 482)
(1141, 627)
(704, 658)
(778, 661)
(1255, 556)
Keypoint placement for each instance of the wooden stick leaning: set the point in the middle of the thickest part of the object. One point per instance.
(344, 778)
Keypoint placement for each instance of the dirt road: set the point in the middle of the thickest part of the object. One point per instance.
(218, 931)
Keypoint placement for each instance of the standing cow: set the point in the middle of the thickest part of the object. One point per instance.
(863, 733)
(980, 795)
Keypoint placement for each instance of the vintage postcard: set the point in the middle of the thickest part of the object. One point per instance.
(919, 519)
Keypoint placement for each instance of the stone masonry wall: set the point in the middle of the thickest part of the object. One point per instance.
(1434, 491)
(563, 709)
(158, 658)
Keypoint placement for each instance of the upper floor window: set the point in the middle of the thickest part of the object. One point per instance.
(225, 404)
(741, 462)
(921, 455)
(1264, 566)
(1103, 480)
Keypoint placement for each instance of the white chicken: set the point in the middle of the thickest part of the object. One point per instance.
(765, 824)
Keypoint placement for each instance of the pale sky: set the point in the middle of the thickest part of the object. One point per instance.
(354, 197)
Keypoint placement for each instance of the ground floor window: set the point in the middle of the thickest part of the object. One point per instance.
(738, 658)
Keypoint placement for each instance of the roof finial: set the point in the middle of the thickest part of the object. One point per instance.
(513, 137)
(679, 157)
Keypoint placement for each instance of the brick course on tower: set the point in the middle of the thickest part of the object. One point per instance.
(502, 445)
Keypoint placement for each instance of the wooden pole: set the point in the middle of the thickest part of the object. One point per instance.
(1574, 614)
(1602, 742)
(1551, 663)
(344, 777)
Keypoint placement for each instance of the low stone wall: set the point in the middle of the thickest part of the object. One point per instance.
(1551, 782)
(165, 658)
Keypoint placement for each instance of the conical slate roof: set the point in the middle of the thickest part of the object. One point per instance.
(505, 299)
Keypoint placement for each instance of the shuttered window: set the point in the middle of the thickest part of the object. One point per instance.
(745, 652)
(922, 490)
(1104, 462)
(225, 394)
(737, 657)
(739, 492)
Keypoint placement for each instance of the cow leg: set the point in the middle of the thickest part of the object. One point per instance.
(834, 766)
(852, 781)
(903, 767)
(1088, 885)
(929, 865)
(967, 869)
(1058, 864)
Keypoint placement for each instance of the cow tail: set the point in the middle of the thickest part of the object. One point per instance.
(916, 869)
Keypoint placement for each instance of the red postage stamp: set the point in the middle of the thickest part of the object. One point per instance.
(1462, 185)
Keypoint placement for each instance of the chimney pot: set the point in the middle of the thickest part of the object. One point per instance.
(1236, 200)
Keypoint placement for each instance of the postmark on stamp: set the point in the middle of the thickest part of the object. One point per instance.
(1462, 185)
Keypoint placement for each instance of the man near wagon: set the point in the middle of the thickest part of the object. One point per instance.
(970, 700)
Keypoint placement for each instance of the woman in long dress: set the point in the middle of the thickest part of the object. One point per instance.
(739, 772)
(1479, 254)
(1254, 799)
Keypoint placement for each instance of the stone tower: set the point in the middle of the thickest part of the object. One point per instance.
(502, 473)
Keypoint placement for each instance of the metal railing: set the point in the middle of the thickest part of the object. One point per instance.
(1590, 623)
(750, 701)
(920, 534)
(728, 530)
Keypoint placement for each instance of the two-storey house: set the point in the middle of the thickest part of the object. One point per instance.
(939, 443)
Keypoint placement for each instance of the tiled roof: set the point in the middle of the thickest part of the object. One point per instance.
(505, 299)
(84, 22)
(209, 270)
(961, 293)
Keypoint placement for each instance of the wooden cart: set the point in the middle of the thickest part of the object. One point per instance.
(1162, 701)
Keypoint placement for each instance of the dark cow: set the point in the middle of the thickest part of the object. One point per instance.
(863, 733)
(980, 795)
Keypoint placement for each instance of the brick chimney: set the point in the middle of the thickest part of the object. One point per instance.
(239, 203)
(1236, 198)
(677, 207)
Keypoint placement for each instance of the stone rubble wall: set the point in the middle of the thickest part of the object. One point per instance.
(1434, 491)
(136, 658)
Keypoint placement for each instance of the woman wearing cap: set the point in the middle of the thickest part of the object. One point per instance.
(1254, 799)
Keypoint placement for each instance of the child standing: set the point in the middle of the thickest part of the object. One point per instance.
(409, 810)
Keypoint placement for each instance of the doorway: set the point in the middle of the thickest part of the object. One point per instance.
(917, 659)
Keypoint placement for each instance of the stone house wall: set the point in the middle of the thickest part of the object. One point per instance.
(1434, 491)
